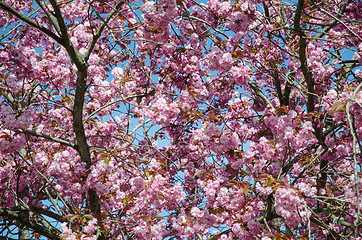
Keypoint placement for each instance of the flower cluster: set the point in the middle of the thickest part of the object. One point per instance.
(181, 119)
(290, 206)
(163, 112)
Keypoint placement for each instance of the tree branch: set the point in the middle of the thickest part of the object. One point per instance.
(37, 134)
(303, 57)
(51, 18)
(32, 23)
(65, 41)
(81, 87)
(48, 213)
(45, 229)
(326, 29)
(100, 30)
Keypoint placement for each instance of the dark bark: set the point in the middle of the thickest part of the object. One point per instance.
(303, 57)
(37, 224)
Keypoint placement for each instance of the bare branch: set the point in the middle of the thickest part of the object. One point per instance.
(36, 134)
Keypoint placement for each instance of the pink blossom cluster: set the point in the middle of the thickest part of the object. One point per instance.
(220, 60)
(163, 112)
(180, 119)
(290, 206)
(216, 140)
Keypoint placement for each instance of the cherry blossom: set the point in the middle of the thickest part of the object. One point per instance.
(177, 119)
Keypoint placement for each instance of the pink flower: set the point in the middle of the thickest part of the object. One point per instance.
(194, 38)
(137, 184)
(289, 205)
(240, 74)
(226, 61)
(91, 226)
(149, 7)
(117, 72)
